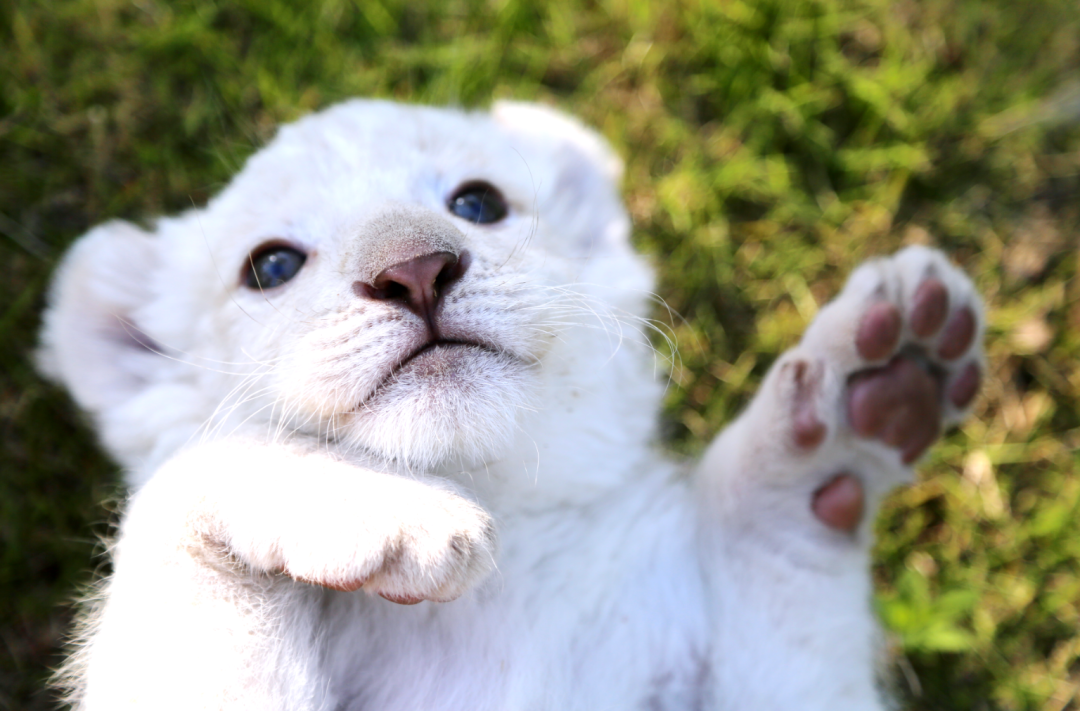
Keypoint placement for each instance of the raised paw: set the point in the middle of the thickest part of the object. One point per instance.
(890, 362)
(431, 545)
(927, 333)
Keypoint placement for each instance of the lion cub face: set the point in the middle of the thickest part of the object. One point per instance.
(394, 279)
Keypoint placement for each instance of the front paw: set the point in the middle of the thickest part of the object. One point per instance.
(892, 360)
(905, 340)
(426, 544)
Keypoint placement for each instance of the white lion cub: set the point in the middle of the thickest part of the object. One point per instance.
(390, 425)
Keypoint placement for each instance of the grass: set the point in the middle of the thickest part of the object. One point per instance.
(770, 146)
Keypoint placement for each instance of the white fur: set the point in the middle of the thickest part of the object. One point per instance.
(267, 448)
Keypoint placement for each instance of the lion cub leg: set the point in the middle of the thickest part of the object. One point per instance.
(221, 565)
(790, 489)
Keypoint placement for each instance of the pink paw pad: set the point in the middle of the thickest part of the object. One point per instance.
(958, 335)
(807, 427)
(929, 307)
(966, 386)
(899, 404)
(879, 331)
(902, 402)
(840, 503)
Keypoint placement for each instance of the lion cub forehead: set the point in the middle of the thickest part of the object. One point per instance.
(321, 178)
(369, 150)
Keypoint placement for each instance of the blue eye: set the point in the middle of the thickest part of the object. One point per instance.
(273, 266)
(478, 202)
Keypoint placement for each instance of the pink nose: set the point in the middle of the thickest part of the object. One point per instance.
(417, 283)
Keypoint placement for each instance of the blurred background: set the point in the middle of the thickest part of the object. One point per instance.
(770, 146)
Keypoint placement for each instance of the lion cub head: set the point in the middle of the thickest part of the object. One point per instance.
(398, 280)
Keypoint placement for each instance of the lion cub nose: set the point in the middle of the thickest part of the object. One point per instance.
(409, 254)
(418, 283)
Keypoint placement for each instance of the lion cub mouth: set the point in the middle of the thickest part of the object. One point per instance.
(436, 356)
(445, 362)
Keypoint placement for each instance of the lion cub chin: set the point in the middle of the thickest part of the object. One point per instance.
(388, 413)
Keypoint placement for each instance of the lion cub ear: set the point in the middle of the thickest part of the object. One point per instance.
(90, 341)
(542, 121)
(584, 196)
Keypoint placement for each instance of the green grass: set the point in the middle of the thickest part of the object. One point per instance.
(770, 146)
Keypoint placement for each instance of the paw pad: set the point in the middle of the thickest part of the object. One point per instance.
(840, 502)
(807, 427)
(929, 307)
(898, 404)
(904, 338)
(957, 335)
(879, 331)
(923, 321)
(965, 387)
